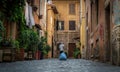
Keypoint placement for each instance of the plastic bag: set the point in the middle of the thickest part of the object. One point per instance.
(62, 56)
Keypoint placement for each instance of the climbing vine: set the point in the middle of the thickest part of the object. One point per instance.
(11, 9)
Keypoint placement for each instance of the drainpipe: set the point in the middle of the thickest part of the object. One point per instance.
(80, 23)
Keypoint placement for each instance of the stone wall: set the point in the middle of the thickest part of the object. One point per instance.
(67, 38)
(116, 45)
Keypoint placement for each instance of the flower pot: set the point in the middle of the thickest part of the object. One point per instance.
(45, 56)
(41, 55)
(79, 56)
(21, 54)
(30, 55)
(37, 55)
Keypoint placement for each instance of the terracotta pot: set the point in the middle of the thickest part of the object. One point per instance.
(21, 54)
(45, 56)
(37, 55)
(79, 56)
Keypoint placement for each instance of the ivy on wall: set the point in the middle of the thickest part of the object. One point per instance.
(11, 10)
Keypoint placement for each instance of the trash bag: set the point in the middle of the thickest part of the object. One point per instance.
(62, 56)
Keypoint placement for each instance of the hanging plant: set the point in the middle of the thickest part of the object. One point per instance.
(11, 9)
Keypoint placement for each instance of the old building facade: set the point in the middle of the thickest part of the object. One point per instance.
(102, 25)
(39, 7)
(51, 20)
(115, 33)
(67, 25)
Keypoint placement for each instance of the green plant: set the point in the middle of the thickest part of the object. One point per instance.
(33, 40)
(28, 39)
(43, 46)
(1, 30)
(5, 43)
(23, 39)
(1, 26)
(15, 44)
(76, 52)
(11, 9)
(46, 49)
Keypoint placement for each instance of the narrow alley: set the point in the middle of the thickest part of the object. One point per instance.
(36, 35)
(55, 65)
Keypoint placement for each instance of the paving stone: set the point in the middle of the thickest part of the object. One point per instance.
(55, 65)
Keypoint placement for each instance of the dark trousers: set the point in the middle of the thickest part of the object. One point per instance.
(61, 52)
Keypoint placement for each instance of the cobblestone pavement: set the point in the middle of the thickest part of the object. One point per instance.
(55, 65)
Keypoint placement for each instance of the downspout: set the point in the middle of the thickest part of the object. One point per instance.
(80, 22)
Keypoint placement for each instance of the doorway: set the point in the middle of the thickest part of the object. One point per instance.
(71, 47)
(107, 33)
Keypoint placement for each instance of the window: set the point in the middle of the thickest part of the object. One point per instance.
(60, 25)
(72, 9)
(71, 25)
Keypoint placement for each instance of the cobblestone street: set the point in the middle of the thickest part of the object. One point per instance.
(55, 65)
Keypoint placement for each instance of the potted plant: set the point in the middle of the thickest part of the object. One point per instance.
(46, 50)
(15, 14)
(76, 53)
(29, 40)
(15, 45)
(43, 47)
(8, 47)
(33, 42)
(23, 42)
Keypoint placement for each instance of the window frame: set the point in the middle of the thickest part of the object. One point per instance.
(72, 8)
(62, 25)
(71, 26)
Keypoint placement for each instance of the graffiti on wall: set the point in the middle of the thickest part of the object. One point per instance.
(116, 11)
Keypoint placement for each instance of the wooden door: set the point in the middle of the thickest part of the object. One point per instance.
(71, 47)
